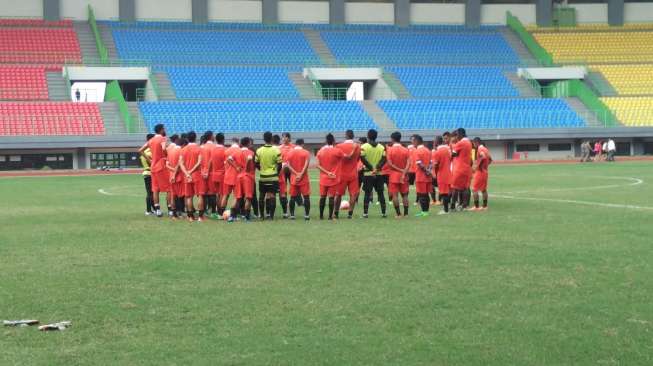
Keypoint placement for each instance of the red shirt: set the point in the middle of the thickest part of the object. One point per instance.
(191, 155)
(330, 159)
(399, 156)
(158, 157)
(206, 150)
(385, 169)
(247, 162)
(349, 167)
(285, 149)
(174, 151)
(297, 158)
(463, 162)
(483, 157)
(230, 173)
(217, 162)
(423, 155)
(411, 151)
(442, 158)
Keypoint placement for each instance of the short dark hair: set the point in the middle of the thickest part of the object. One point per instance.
(462, 132)
(439, 140)
(330, 139)
(192, 136)
(203, 139)
(267, 137)
(184, 135)
(286, 134)
(478, 140)
(235, 140)
(182, 141)
(299, 142)
(362, 139)
(208, 135)
(219, 138)
(149, 136)
(159, 127)
(445, 134)
(174, 138)
(396, 136)
(245, 141)
(372, 134)
(349, 134)
(418, 138)
(276, 139)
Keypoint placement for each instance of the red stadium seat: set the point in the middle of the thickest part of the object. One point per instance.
(23, 83)
(39, 45)
(50, 119)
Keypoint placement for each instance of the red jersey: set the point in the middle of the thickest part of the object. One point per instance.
(217, 163)
(399, 156)
(247, 162)
(285, 149)
(230, 173)
(330, 159)
(385, 169)
(297, 159)
(158, 156)
(423, 156)
(173, 152)
(442, 162)
(349, 167)
(463, 162)
(191, 155)
(483, 158)
(411, 151)
(206, 150)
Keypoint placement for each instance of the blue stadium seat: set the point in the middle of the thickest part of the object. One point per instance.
(232, 82)
(447, 114)
(293, 116)
(448, 81)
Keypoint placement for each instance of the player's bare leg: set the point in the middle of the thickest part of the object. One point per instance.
(190, 210)
(200, 208)
(446, 200)
(234, 210)
(270, 205)
(291, 205)
(476, 201)
(307, 207)
(332, 204)
(283, 200)
(352, 203)
(485, 199)
(405, 202)
(336, 206)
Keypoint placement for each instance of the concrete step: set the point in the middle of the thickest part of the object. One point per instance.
(396, 86)
(588, 116)
(378, 115)
(86, 40)
(135, 112)
(522, 86)
(113, 122)
(57, 88)
(518, 46)
(165, 88)
(107, 39)
(319, 46)
(600, 84)
(304, 86)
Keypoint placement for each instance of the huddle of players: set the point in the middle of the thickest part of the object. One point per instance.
(213, 172)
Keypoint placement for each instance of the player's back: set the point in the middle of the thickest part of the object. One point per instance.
(230, 173)
(463, 160)
(411, 152)
(155, 145)
(423, 157)
(442, 156)
(297, 159)
(217, 159)
(247, 162)
(284, 150)
(373, 153)
(398, 155)
(205, 152)
(485, 158)
(268, 157)
(330, 159)
(349, 167)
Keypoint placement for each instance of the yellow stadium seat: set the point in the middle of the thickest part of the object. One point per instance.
(632, 111)
(628, 79)
(598, 47)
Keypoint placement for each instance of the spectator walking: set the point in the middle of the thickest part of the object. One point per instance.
(612, 149)
(585, 150)
(597, 150)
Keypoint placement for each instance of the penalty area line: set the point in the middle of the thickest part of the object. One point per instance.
(576, 202)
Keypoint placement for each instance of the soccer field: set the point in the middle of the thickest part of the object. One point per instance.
(559, 271)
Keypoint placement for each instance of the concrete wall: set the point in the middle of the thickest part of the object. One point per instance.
(235, 11)
(437, 13)
(496, 13)
(497, 149)
(638, 12)
(544, 153)
(591, 13)
(163, 9)
(374, 13)
(303, 12)
(77, 9)
(23, 8)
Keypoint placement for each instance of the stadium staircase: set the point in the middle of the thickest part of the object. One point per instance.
(57, 89)
(319, 46)
(135, 112)
(303, 86)
(581, 109)
(522, 86)
(518, 46)
(600, 84)
(396, 85)
(107, 39)
(377, 114)
(86, 42)
(113, 123)
(165, 88)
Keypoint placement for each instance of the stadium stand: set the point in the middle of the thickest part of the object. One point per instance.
(291, 116)
(406, 48)
(424, 82)
(232, 82)
(179, 47)
(632, 111)
(49, 118)
(39, 45)
(628, 79)
(446, 114)
(23, 83)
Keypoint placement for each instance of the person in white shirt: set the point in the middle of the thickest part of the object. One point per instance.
(612, 149)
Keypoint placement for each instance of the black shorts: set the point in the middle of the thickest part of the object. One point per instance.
(268, 187)
(411, 179)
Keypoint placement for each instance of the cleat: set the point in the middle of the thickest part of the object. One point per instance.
(214, 216)
(158, 213)
(307, 218)
(230, 219)
(443, 212)
(285, 216)
(377, 203)
(292, 217)
(483, 208)
(383, 216)
(398, 217)
(171, 213)
(148, 213)
(419, 214)
(365, 216)
(200, 219)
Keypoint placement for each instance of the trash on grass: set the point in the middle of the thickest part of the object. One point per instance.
(19, 323)
(56, 326)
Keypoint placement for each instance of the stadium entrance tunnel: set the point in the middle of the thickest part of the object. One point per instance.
(356, 83)
(91, 82)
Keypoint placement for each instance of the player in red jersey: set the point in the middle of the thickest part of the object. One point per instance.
(413, 168)
(246, 177)
(190, 163)
(461, 153)
(232, 157)
(329, 159)
(349, 180)
(300, 183)
(481, 173)
(217, 173)
(398, 162)
(207, 146)
(442, 169)
(284, 177)
(173, 151)
(423, 179)
(160, 176)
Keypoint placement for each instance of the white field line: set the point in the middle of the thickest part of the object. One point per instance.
(633, 182)
(576, 202)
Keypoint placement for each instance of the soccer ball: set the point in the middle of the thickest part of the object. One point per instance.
(344, 205)
(226, 214)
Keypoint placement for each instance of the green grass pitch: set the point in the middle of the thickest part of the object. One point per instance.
(559, 271)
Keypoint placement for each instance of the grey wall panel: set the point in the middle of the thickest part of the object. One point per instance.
(473, 13)
(200, 11)
(270, 11)
(616, 12)
(544, 13)
(337, 11)
(127, 10)
(51, 10)
(402, 13)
